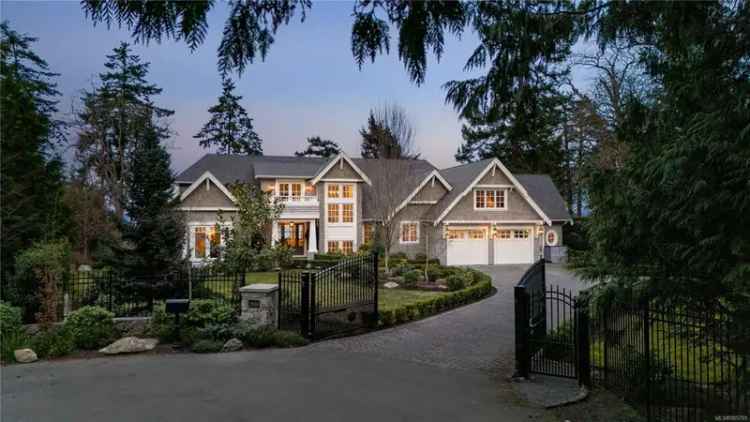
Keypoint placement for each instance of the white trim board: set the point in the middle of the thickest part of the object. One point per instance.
(336, 160)
(430, 177)
(207, 209)
(207, 176)
(495, 163)
(401, 241)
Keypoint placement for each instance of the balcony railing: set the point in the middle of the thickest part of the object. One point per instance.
(303, 199)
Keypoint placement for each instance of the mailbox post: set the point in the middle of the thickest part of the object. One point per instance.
(177, 307)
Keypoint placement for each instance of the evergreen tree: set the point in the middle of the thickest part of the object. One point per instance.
(115, 117)
(153, 234)
(318, 147)
(230, 129)
(526, 135)
(377, 140)
(31, 170)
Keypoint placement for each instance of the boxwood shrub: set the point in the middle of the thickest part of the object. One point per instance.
(91, 327)
(431, 306)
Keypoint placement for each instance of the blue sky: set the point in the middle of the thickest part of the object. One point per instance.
(308, 85)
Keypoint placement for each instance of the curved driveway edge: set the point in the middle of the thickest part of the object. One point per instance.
(449, 367)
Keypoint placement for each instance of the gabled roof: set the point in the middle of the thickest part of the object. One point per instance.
(199, 181)
(538, 190)
(244, 168)
(545, 193)
(417, 169)
(232, 168)
(341, 157)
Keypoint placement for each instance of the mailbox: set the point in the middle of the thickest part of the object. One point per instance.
(177, 306)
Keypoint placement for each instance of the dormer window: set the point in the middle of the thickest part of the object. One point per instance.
(490, 199)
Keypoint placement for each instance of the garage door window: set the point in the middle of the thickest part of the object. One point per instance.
(520, 234)
(503, 234)
(476, 234)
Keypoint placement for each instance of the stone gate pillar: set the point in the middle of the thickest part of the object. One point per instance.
(259, 304)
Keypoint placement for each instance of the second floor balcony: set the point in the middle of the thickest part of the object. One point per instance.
(299, 206)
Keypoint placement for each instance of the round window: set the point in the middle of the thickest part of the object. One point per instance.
(551, 238)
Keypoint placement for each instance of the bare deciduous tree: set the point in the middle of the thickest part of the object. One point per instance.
(386, 195)
(389, 134)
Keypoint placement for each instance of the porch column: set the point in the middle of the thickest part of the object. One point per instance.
(312, 239)
(274, 232)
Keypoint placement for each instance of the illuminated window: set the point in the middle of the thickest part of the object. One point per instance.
(409, 232)
(296, 190)
(284, 190)
(551, 238)
(333, 246)
(200, 242)
(503, 234)
(476, 234)
(215, 242)
(368, 232)
(347, 247)
(347, 213)
(456, 234)
(489, 199)
(479, 199)
(347, 191)
(333, 213)
(333, 191)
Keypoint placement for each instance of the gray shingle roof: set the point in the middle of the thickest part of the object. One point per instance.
(232, 168)
(416, 170)
(459, 177)
(544, 192)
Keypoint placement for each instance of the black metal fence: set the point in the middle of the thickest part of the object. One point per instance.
(336, 300)
(135, 295)
(676, 364)
(672, 363)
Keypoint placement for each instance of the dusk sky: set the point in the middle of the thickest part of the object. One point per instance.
(308, 85)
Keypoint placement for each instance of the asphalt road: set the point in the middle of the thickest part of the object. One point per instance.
(451, 367)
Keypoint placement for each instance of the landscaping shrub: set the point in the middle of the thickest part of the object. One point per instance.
(420, 257)
(91, 327)
(10, 319)
(207, 346)
(53, 342)
(434, 273)
(202, 313)
(456, 282)
(436, 304)
(10, 341)
(288, 339)
(411, 278)
(218, 332)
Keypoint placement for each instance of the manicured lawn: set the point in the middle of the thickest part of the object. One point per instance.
(270, 277)
(387, 298)
(396, 298)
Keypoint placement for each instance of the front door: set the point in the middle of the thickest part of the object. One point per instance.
(294, 236)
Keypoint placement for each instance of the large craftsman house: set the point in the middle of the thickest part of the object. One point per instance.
(477, 213)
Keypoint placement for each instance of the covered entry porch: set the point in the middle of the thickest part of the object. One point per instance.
(300, 236)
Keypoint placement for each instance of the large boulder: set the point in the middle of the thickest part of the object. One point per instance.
(25, 355)
(130, 345)
(232, 345)
(390, 285)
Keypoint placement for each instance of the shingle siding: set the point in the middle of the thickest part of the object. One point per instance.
(518, 209)
(207, 197)
(430, 192)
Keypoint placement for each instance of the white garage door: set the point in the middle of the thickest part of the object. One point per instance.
(467, 247)
(514, 246)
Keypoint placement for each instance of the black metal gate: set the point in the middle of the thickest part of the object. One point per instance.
(551, 329)
(336, 300)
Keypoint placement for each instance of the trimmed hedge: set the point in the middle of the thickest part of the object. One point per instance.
(91, 327)
(437, 304)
